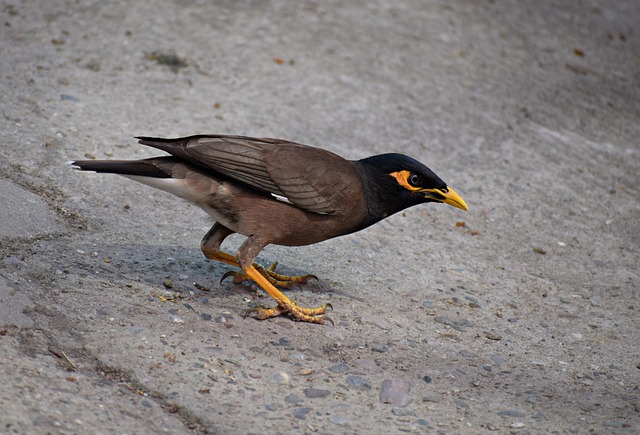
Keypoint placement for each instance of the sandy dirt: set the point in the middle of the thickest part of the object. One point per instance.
(521, 315)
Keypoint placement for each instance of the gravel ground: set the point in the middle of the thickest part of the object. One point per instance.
(519, 316)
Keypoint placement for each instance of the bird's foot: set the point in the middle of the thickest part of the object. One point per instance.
(284, 281)
(312, 315)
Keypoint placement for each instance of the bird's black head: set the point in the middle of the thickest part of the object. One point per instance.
(394, 182)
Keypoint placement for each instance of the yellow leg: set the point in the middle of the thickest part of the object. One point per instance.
(285, 305)
(265, 279)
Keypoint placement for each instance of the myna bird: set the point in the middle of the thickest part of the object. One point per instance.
(278, 192)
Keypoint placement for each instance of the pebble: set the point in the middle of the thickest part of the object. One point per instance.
(359, 382)
(492, 336)
(472, 300)
(611, 423)
(400, 412)
(461, 403)
(496, 359)
(458, 325)
(339, 407)
(301, 413)
(315, 393)
(205, 316)
(427, 379)
(379, 347)
(283, 341)
(280, 378)
(67, 97)
(395, 392)
(339, 368)
(428, 304)
(271, 407)
(339, 420)
(433, 398)
(11, 261)
(468, 354)
(510, 413)
(293, 398)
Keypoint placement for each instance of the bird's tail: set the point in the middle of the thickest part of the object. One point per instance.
(145, 168)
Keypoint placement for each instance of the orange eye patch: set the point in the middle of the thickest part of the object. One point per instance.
(402, 177)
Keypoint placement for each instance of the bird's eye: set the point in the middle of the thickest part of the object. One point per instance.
(414, 180)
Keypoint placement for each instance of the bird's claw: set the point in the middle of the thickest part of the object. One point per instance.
(311, 315)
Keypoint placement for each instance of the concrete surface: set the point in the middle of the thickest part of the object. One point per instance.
(519, 316)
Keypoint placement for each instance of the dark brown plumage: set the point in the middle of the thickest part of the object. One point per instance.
(279, 192)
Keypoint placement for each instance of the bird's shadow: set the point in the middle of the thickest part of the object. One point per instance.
(183, 270)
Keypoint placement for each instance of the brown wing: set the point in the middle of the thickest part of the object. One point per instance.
(310, 178)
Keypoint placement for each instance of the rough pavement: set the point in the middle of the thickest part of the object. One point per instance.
(519, 316)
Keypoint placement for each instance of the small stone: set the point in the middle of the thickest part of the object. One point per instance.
(468, 354)
(461, 403)
(283, 341)
(293, 398)
(492, 336)
(472, 300)
(427, 379)
(271, 407)
(67, 97)
(496, 359)
(433, 398)
(339, 368)
(301, 413)
(11, 261)
(338, 419)
(379, 347)
(205, 316)
(428, 303)
(458, 325)
(315, 393)
(359, 382)
(395, 392)
(510, 413)
(400, 412)
(443, 319)
(280, 378)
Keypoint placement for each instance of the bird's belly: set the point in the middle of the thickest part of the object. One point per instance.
(273, 221)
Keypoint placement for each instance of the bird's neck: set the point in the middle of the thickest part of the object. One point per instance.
(380, 195)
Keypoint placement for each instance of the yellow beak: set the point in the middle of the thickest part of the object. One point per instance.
(449, 197)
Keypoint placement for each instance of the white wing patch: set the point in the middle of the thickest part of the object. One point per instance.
(281, 198)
